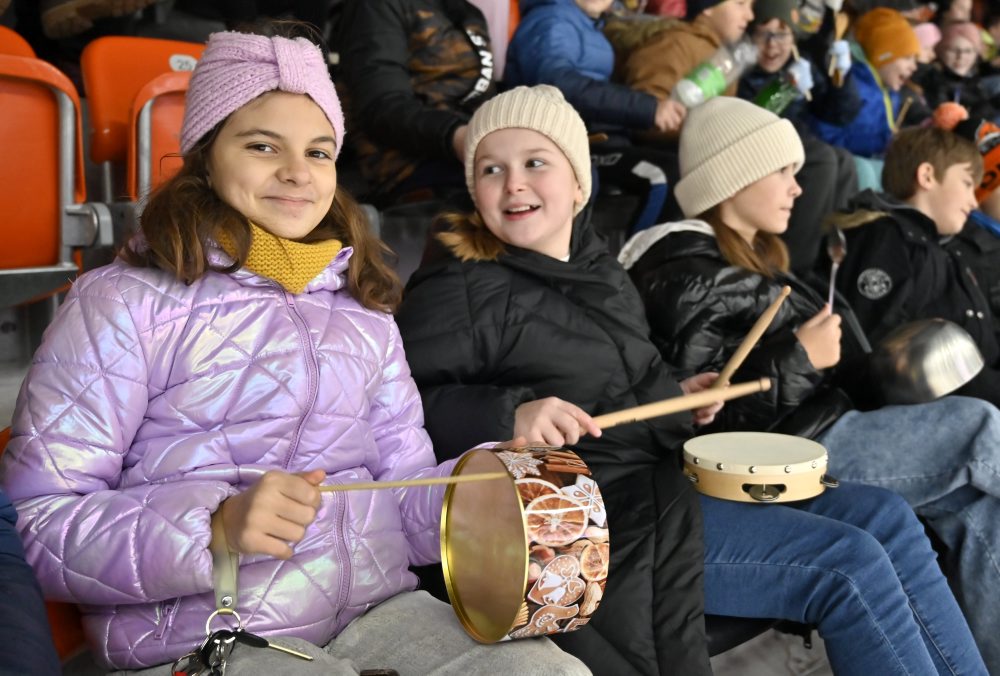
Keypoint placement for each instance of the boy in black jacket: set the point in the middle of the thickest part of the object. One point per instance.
(897, 268)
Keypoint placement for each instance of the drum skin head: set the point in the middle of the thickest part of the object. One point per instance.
(756, 466)
(484, 549)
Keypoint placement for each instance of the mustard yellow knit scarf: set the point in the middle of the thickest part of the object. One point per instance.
(291, 264)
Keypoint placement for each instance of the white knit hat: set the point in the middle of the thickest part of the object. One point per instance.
(727, 144)
(541, 108)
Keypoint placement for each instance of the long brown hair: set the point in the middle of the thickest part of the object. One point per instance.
(768, 256)
(184, 214)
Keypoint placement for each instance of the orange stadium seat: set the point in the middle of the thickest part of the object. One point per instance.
(154, 132)
(64, 618)
(115, 69)
(42, 182)
(515, 18)
(13, 44)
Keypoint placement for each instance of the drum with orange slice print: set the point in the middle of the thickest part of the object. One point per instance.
(527, 557)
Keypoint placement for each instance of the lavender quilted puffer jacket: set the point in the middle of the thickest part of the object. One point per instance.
(151, 401)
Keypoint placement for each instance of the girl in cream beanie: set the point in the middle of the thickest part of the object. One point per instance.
(738, 165)
(704, 283)
(727, 144)
(547, 225)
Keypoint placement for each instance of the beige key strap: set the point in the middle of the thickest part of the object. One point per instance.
(226, 567)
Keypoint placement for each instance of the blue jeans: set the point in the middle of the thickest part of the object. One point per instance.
(944, 459)
(856, 563)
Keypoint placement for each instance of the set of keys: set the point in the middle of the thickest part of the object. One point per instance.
(211, 658)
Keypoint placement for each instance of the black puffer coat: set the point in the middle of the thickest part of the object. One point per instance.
(700, 308)
(484, 336)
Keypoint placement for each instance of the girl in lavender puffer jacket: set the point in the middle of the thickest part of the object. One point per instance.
(191, 397)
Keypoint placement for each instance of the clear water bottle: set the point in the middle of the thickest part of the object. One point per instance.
(710, 78)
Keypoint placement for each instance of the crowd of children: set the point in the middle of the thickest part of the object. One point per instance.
(251, 345)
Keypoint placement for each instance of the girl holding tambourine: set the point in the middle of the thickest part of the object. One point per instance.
(706, 280)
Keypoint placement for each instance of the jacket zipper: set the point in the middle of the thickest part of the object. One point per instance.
(311, 369)
(340, 504)
(165, 612)
(341, 554)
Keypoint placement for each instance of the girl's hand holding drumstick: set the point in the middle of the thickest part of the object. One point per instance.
(752, 338)
(273, 514)
(553, 421)
(699, 383)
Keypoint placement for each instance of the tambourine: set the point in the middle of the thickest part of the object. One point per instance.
(529, 556)
(757, 466)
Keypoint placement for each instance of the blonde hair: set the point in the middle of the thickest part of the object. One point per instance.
(467, 237)
(768, 255)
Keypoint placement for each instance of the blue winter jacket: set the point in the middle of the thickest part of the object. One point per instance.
(869, 133)
(556, 43)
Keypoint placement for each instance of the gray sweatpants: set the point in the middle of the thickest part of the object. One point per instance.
(413, 633)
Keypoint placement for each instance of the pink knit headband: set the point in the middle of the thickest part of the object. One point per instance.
(236, 68)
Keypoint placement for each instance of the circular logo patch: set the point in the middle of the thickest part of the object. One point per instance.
(874, 283)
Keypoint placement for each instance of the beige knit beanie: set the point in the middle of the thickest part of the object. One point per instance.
(543, 109)
(727, 144)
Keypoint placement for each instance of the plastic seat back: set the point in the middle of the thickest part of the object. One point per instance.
(115, 69)
(155, 124)
(33, 185)
(42, 183)
(13, 44)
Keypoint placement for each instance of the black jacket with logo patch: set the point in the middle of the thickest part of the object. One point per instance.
(897, 270)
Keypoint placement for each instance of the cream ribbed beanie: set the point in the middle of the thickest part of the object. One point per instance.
(541, 108)
(727, 144)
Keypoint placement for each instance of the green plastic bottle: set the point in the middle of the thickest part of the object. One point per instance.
(777, 95)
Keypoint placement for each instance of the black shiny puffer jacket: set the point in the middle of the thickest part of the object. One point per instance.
(700, 308)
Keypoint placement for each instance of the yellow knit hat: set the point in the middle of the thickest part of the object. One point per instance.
(541, 108)
(885, 35)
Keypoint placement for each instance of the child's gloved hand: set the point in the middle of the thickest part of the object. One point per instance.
(840, 54)
(801, 73)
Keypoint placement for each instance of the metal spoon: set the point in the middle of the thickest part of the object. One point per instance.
(836, 248)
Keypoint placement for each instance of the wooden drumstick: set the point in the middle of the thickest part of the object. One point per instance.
(902, 112)
(841, 22)
(795, 55)
(756, 331)
(404, 483)
(688, 402)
